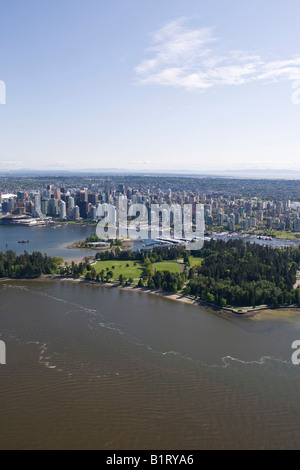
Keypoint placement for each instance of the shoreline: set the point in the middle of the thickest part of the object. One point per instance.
(127, 245)
(166, 295)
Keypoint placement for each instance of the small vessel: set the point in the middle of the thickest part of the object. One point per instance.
(23, 241)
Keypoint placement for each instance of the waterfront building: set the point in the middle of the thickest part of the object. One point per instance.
(62, 210)
(76, 213)
(53, 207)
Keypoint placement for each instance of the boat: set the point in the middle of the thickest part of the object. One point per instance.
(23, 241)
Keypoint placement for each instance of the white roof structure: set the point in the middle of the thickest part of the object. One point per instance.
(8, 196)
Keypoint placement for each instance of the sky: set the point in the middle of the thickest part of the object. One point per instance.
(187, 85)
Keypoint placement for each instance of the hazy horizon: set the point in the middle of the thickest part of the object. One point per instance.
(270, 174)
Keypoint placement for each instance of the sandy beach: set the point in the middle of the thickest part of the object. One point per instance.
(251, 312)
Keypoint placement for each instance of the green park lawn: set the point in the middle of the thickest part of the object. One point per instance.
(279, 234)
(165, 266)
(286, 235)
(120, 268)
(195, 261)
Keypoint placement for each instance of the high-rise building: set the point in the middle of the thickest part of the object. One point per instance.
(244, 224)
(248, 207)
(207, 214)
(282, 226)
(83, 209)
(237, 218)
(53, 207)
(76, 213)
(62, 210)
(278, 208)
(297, 225)
(93, 199)
(231, 223)
(121, 188)
(71, 203)
(93, 213)
(5, 207)
(57, 193)
(248, 221)
(209, 221)
(36, 209)
(260, 216)
(220, 219)
(107, 187)
(44, 205)
(21, 195)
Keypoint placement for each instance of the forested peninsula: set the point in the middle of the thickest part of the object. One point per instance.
(226, 274)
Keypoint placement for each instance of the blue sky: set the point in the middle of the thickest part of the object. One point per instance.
(191, 85)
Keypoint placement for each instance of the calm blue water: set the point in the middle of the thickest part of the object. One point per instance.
(52, 240)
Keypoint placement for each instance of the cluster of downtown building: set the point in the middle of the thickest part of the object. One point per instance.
(240, 214)
(56, 203)
(221, 212)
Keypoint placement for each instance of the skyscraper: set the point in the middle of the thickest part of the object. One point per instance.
(107, 187)
(57, 193)
(36, 210)
(76, 214)
(248, 208)
(62, 210)
(53, 207)
(71, 202)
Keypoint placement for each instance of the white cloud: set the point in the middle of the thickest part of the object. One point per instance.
(188, 58)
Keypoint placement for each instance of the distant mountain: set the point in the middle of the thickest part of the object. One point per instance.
(226, 173)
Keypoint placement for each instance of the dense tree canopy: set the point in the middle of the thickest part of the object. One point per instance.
(245, 274)
(229, 273)
(27, 265)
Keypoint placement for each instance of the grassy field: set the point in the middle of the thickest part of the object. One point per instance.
(195, 261)
(165, 266)
(120, 268)
(280, 234)
(286, 235)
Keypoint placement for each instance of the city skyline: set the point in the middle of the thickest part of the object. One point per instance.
(184, 87)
